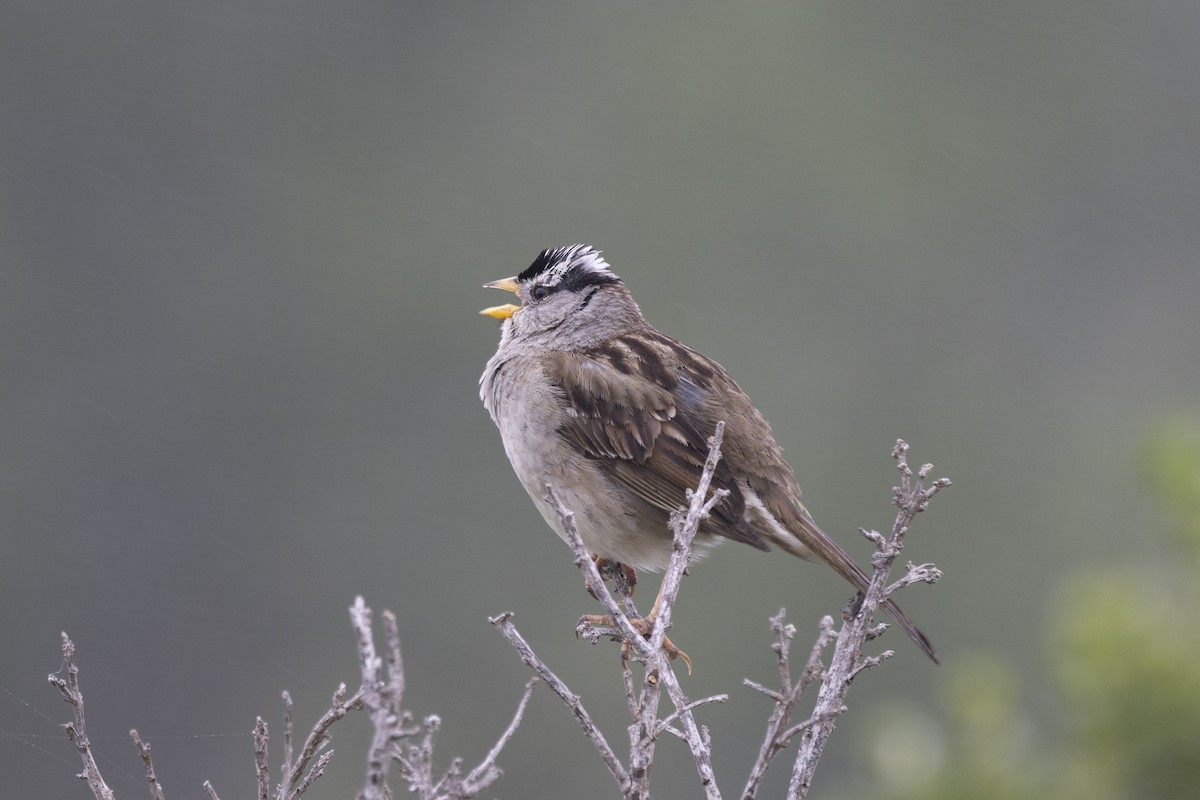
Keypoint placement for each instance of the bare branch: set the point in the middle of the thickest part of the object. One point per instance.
(685, 527)
(483, 776)
(77, 730)
(381, 699)
(918, 573)
(144, 751)
(758, 687)
(317, 739)
(910, 498)
(870, 662)
(826, 716)
(593, 582)
(649, 646)
(556, 684)
(666, 721)
(684, 524)
(260, 759)
(696, 737)
(318, 769)
(382, 693)
(643, 733)
(391, 636)
(285, 787)
(416, 761)
(778, 735)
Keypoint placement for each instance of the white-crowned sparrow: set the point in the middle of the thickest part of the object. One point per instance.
(616, 416)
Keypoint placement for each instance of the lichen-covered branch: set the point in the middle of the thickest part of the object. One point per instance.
(787, 697)
(847, 661)
(504, 623)
(651, 647)
(382, 697)
(77, 730)
(396, 738)
(380, 694)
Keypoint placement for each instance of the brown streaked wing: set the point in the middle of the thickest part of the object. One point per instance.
(625, 419)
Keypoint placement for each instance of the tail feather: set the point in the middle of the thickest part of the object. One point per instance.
(912, 630)
(813, 545)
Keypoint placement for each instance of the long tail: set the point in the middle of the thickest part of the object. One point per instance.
(814, 545)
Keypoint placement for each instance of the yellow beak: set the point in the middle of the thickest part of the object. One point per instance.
(508, 309)
(507, 284)
(501, 312)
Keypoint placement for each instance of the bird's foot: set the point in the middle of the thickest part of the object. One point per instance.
(593, 626)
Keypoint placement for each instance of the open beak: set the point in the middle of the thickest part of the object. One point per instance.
(508, 309)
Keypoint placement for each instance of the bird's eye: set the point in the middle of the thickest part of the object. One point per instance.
(539, 292)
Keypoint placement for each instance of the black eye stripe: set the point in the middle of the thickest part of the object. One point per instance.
(587, 298)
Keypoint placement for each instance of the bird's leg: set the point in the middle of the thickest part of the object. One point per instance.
(671, 650)
(623, 576)
(625, 580)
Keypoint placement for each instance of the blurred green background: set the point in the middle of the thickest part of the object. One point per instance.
(242, 244)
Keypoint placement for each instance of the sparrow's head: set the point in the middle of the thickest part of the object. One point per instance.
(559, 281)
(570, 298)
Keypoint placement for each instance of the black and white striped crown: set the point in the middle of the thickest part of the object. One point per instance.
(573, 266)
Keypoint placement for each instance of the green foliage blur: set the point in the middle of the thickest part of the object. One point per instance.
(1124, 651)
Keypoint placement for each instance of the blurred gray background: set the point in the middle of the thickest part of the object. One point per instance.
(241, 248)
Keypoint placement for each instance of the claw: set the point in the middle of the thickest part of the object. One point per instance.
(674, 652)
(643, 626)
(625, 580)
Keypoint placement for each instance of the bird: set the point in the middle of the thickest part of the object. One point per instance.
(615, 415)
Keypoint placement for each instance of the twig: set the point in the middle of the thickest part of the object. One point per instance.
(918, 573)
(77, 730)
(285, 770)
(261, 760)
(665, 722)
(648, 647)
(318, 769)
(144, 751)
(911, 498)
(786, 699)
(685, 528)
(643, 733)
(483, 776)
(381, 694)
(816, 719)
(569, 698)
(594, 583)
(416, 761)
(870, 662)
(381, 699)
(316, 740)
(695, 734)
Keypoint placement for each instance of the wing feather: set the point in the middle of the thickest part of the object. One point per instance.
(626, 420)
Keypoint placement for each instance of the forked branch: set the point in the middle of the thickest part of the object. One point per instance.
(845, 663)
